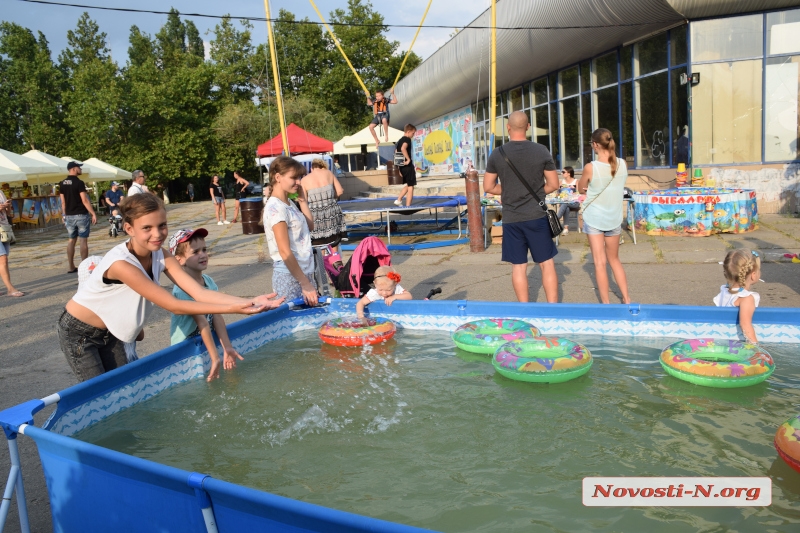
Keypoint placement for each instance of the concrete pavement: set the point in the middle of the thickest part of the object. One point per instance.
(660, 270)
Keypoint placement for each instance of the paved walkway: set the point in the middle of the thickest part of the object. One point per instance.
(661, 270)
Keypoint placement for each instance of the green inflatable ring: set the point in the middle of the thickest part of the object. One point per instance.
(542, 360)
(485, 336)
(717, 363)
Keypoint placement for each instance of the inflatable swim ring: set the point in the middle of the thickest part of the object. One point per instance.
(351, 332)
(787, 442)
(717, 363)
(542, 360)
(485, 336)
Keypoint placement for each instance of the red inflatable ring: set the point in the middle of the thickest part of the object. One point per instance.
(351, 332)
(787, 442)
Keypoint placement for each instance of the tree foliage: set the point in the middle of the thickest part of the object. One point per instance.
(175, 113)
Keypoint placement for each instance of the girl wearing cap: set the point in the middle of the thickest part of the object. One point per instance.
(113, 305)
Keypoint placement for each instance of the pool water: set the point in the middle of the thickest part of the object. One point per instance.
(418, 432)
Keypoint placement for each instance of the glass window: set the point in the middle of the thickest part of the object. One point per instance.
(571, 128)
(479, 114)
(498, 105)
(625, 62)
(480, 147)
(540, 91)
(514, 100)
(726, 113)
(677, 45)
(782, 31)
(606, 111)
(552, 83)
(782, 128)
(586, 128)
(500, 131)
(528, 131)
(526, 96)
(680, 118)
(554, 135)
(728, 38)
(626, 147)
(605, 69)
(569, 82)
(650, 55)
(541, 126)
(586, 76)
(652, 119)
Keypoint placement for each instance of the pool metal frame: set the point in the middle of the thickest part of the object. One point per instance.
(92, 487)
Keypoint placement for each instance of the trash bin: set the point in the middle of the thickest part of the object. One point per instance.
(393, 173)
(251, 215)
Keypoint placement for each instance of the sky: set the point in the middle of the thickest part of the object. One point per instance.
(55, 21)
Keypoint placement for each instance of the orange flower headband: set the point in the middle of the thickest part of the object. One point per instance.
(394, 276)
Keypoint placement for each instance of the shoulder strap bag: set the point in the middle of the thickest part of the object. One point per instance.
(584, 205)
(552, 218)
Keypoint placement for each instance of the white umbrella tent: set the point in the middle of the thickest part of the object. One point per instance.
(348, 148)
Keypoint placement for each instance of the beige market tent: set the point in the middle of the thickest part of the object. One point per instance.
(352, 143)
(92, 173)
(119, 174)
(50, 159)
(32, 168)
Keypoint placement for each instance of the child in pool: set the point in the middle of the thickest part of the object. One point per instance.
(189, 248)
(742, 268)
(112, 307)
(386, 287)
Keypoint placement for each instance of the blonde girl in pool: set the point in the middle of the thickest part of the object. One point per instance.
(742, 268)
(113, 305)
(386, 287)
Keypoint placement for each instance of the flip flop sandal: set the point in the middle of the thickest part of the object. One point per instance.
(17, 294)
(72, 271)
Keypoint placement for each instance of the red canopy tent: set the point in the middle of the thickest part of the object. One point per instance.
(300, 142)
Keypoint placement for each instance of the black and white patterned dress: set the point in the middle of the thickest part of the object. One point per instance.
(329, 226)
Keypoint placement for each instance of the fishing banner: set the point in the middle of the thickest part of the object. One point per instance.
(444, 145)
(695, 211)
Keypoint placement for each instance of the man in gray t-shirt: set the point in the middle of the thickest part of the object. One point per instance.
(525, 226)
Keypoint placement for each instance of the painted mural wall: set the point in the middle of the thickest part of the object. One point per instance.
(444, 145)
(778, 188)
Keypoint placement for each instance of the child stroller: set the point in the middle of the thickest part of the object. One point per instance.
(354, 278)
(116, 225)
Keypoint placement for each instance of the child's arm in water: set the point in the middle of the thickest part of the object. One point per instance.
(747, 307)
(151, 291)
(362, 303)
(405, 295)
(211, 346)
(229, 353)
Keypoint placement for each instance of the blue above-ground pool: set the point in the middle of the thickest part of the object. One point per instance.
(96, 489)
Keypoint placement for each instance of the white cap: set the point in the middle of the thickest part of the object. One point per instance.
(86, 268)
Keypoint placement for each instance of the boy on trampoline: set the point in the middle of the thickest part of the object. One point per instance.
(380, 108)
(407, 170)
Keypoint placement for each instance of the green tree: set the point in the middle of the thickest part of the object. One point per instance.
(33, 86)
(232, 53)
(302, 56)
(92, 93)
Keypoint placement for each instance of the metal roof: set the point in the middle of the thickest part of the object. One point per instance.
(449, 79)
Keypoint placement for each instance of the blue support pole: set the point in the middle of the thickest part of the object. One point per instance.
(195, 481)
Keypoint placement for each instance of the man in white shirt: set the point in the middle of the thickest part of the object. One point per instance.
(138, 185)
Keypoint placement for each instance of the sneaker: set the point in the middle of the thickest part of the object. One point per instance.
(566, 231)
(225, 222)
(219, 222)
(398, 202)
(621, 239)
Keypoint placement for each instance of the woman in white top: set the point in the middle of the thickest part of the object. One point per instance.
(603, 181)
(288, 230)
(112, 306)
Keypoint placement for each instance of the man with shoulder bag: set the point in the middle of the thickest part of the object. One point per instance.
(528, 174)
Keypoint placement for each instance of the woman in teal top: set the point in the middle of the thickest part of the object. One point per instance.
(603, 182)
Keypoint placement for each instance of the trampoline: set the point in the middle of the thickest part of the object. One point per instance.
(385, 207)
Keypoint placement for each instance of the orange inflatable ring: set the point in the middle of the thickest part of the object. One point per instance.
(787, 442)
(351, 332)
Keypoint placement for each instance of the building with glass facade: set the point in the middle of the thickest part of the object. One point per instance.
(575, 66)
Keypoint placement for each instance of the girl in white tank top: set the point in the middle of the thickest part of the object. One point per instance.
(113, 305)
(742, 268)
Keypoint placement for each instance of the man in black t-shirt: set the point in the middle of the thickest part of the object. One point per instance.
(525, 225)
(78, 213)
(407, 169)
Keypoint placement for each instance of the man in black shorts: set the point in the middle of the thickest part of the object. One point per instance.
(407, 170)
(380, 108)
(525, 225)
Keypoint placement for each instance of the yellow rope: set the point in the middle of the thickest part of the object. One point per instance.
(276, 76)
(403, 64)
(339, 46)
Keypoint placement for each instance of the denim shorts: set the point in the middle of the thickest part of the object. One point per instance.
(78, 225)
(5, 248)
(218, 199)
(90, 351)
(533, 235)
(588, 230)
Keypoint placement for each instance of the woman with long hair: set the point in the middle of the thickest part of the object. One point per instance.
(603, 181)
